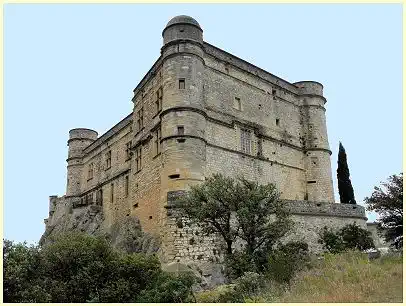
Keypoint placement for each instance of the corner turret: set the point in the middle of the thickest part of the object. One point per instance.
(79, 139)
(319, 185)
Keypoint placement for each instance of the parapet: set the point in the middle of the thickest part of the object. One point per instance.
(82, 134)
(325, 209)
(309, 88)
(182, 28)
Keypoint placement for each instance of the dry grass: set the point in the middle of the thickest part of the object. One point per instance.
(344, 278)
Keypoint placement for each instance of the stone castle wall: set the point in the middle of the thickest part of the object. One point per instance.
(308, 218)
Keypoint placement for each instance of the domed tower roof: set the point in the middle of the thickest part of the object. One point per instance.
(182, 27)
(183, 19)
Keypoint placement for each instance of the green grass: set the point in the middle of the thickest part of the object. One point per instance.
(344, 278)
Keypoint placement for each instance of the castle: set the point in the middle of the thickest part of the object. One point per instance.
(198, 111)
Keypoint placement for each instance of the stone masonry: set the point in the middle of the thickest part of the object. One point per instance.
(198, 111)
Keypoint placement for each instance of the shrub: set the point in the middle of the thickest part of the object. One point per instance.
(82, 268)
(237, 263)
(350, 237)
(249, 284)
(170, 288)
(286, 260)
(221, 294)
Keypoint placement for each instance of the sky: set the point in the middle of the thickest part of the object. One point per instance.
(76, 65)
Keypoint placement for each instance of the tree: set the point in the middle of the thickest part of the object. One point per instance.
(349, 237)
(343, 176)
(81, 268)
(21, 264)
(238, 209)
(387, 201)
(255, 205)
(210, 206)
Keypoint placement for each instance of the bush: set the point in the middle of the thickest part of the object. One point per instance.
(237, 263)
(82, 268)
(286, 260)
(249, 284)
(221, 294)
(350, 237)
(245, 288)
(170, 289)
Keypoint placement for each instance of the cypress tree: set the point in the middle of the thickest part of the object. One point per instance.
(343, 175)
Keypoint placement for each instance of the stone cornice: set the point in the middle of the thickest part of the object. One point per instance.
(109, 134)
(151, 72)
(256, 71)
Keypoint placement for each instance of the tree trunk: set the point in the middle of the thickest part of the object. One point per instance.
(229, 249)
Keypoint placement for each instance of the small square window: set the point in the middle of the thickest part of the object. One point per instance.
(273, 92)
(181, 83)
(181, 130)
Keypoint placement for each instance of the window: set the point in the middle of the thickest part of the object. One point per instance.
(138, 159)
(89, 198)
(108, 160)
(128, 150)
(127, 185)
(99, 197)
(158, 102)
(90, 171)
(181, 130)
(181, 83)
(237, 103)
(140, 120)
(246, 141)
(111, 192)
(273, 92)
(277, 121)
(314, 160)
(158, 141)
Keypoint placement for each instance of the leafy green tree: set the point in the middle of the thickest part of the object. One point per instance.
(21, 264)
(343, 176)
(387, 201)
(255, 204)
(81, 268)
(349, 237)
(210, 206)
(238, 209)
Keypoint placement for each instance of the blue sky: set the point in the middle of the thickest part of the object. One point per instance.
(68, 66)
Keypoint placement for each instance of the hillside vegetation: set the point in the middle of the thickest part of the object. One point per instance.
(345, 277)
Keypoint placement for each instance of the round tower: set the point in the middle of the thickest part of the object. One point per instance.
(183, 119)
(317, 160)
(78, 140)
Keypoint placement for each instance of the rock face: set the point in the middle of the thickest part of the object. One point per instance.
(68, 215)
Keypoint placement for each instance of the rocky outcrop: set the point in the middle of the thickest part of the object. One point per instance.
(67, 215)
